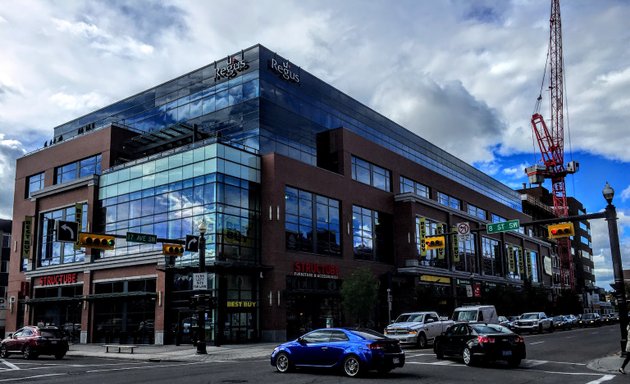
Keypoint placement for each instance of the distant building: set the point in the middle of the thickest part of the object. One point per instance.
(538, 203)
(5, 248)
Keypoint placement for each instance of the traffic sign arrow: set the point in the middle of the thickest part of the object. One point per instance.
(67, 231)
(192, 243)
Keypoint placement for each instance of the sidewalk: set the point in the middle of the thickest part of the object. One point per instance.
(177, 353)
(607, 364)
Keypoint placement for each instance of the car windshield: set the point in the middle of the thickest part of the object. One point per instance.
(409, 317)
(54, 333)
(490, 328)
(368, 334)
(527, 316)
(589, 316)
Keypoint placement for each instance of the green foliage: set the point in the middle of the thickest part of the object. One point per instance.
(359, 294)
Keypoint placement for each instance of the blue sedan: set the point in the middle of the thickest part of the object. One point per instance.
(355, 351)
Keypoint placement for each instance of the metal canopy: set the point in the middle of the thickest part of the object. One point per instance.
(161, 140)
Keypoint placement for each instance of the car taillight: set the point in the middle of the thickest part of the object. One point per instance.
(375, 346)
(519, 339)
(485, 339)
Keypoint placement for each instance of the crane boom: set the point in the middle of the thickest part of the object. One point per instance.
(551, 143)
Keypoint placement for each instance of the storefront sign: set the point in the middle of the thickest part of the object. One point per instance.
(59, 279)
(27, 228)
(234, 67)
(241, 304)
(327, 271)
(284, 70)
(547, 265)
(435, 279)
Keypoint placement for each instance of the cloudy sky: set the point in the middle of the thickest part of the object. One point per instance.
(464, 74)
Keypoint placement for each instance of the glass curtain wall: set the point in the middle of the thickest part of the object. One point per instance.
(170, 195)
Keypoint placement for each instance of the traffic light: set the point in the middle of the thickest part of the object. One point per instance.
(95, 240)
(558, 231)
(172, 249)
(434, 242)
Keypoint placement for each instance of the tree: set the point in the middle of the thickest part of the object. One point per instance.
(359, 294)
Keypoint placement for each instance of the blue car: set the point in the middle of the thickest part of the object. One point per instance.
(355, 351)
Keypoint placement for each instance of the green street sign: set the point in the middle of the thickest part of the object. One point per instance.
(511, 225)
(141, 238)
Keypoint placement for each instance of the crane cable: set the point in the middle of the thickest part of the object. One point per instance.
(539, 101)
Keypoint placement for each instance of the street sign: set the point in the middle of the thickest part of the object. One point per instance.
(141, 238)
(511, 225)
(200, 281)
(192, 243)
(67, 231)
(463, 231)
(463, 228)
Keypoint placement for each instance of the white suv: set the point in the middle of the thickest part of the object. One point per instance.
(534, 322)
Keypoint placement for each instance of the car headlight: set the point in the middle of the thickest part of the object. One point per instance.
(412, 332)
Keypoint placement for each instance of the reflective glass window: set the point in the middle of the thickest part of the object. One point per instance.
(34, 184)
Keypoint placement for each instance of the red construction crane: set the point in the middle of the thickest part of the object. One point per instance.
(551, 143)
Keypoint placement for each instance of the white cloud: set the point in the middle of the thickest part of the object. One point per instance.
(84, 102)
(625, 194)
(9, 151)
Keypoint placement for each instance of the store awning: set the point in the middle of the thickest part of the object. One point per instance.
(117, 295)
(36, 300)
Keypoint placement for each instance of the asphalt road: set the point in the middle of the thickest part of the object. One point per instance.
(558, 357)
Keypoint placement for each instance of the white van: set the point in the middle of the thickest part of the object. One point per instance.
(476, 314)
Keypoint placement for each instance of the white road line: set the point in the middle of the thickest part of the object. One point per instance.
(536, 342)
(434, 363)
(602, 379)
(534, 363)
(31, 377)
(421, 354)
(10, 365)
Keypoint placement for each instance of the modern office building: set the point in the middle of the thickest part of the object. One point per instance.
(298, 185)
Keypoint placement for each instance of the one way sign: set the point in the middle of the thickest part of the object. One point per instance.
(67, 231)
(192, 243)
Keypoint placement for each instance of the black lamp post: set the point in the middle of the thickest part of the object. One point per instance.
(201, 309)
(620, 288)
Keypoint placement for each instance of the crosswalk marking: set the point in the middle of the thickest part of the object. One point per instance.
(10, 365)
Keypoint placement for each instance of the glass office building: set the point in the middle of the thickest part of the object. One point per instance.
(298, 184)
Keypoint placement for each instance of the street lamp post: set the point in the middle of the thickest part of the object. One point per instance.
(611, 218)
(201, 309)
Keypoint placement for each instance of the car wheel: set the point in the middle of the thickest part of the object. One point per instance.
(468, 357)
(514, 362)
(439, 351)
(282, 362)
(352, 366)
(59, 356)
(28, 353)
(3, 351)
(422, 341)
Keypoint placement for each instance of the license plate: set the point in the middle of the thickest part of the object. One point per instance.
(396, 360)
(53, 342)
(507, 353)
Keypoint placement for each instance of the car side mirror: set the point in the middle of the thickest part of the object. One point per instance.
(10, 335)
(301, 340)
(429, 321)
